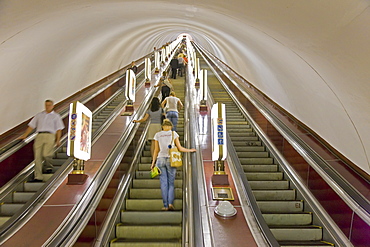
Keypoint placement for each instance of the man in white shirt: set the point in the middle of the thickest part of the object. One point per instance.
(48, 125)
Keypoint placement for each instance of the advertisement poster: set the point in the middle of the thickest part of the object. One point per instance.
(79, 131)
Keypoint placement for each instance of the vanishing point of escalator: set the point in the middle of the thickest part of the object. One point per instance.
(142, 221)
(282, 211)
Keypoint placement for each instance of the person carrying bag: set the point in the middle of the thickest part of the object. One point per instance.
(175, 154)
(161, 159)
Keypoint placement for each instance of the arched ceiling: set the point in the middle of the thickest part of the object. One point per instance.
(311, 57)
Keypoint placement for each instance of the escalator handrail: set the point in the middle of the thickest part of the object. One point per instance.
(357, 202)
(76, 221)
(107, 226)
(265, 232)
(14, 145)
(71, 230)
(199, 233)
(15, 222)
(113, 212)
(335, 232)
(27, 171)
(53, 182)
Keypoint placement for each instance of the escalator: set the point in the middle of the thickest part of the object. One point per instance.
(142, 221)
(287, 216)
(16, 199)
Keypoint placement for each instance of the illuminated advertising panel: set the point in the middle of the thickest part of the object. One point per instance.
(203, 84)
(79, 131)
(130, 85)
(148, 69)
(157, 60)
(163, 55)
(218, 119)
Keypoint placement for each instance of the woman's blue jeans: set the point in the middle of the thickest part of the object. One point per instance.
(167, 179)
(173, 116)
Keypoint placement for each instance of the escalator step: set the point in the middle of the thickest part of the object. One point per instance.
(253, 154)
(280, 206)
(4, 219)
(297, 233)
(255, 161)
(149, 204)
(148, 243)
(146, 174)
(260, 168)
(256, 176)
(288, 219)
(160, 217)
(22, 197)
(274, 195)
(151, 193)
(304, 244)
(266, 185)
(152, 183)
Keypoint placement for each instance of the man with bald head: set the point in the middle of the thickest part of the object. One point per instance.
(48, 125)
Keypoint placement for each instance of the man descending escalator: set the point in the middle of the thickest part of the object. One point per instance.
(48, 125)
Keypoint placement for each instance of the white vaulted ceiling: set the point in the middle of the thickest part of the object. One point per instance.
(311, 57)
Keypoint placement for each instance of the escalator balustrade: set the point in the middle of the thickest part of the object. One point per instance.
(142, 221)
(283, 212)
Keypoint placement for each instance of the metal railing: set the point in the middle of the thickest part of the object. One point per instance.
(335, 232)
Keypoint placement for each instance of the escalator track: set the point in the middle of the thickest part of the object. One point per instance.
(284, 212)
(142, 221)
(14, 201)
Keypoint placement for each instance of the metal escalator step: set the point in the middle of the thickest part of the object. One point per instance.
(62, 156)
(240, 149)
(149, 204)
(239, 127)
(241, 134)
(247, 143)
(146, 167)
(244, 138)
(288, 219)
(142, 243)
(297, 233)
(256, 161)
(140, 217)
(253, 154)
(33, 186)
(233, 114)
(266, 185)
(21, 196)
(152, 183)
(280, 206)
(137, 193)
(145, 159)
(8, 209)
(260, 168)
(146, 174)
(58, 162)
(273, 195)
(253, 176)
(232, 124)
(304, 244)
(4, 219)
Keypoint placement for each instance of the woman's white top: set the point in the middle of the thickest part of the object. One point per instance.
(164, 139)
(172, 103)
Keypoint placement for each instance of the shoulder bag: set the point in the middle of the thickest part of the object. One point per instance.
(175, 155)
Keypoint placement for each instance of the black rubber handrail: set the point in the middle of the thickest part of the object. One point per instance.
(356, 201)
(8, 228)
